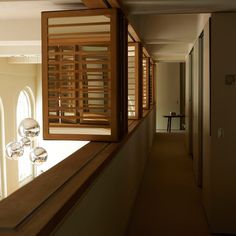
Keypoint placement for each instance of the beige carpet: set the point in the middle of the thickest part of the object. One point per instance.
(168, 203)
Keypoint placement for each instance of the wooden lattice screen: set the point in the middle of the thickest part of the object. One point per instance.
(151, 84)
(134, 81)
(83, 83)
(146, 80)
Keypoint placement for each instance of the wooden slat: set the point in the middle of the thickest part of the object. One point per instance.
(79, 71)
(81, 80)
(104, 124)
(90, 62)
(78, 24)
(79, 117)
(80, 35)
(95, 4)
(98, 53)
(78, 99)
(54, 109)
(86, 43)
(80, 90)
(66, 41)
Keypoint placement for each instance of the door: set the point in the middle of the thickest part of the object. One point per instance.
(200, 108)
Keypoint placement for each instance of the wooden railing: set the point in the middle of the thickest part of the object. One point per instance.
(39, 206)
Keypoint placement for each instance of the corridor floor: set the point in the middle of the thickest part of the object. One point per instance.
(168, 202)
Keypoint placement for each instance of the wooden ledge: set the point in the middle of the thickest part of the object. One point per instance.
(36, 208)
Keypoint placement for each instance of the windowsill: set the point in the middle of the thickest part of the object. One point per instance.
(26, 180)
(53, 193)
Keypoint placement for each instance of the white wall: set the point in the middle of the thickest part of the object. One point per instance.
(219, 102)
(105, 207)
(20, 37)
(3, 184)
(168, 93)
(206, 171)
(196, 116)
(222, 168)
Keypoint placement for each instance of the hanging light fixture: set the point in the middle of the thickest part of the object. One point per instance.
(28, 130)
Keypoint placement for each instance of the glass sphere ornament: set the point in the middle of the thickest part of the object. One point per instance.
(29, 128)
(38, 155)
(14, 150)
(25, 141)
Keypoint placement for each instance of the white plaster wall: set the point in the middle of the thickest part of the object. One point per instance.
(105, 208)
(168, 93)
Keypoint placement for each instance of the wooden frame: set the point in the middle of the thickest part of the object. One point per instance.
(146, 82)
(132, 33)
(145, 52)
(134, 80)
(67, 39)
(151, 83)
(154, 82)
(91, 4)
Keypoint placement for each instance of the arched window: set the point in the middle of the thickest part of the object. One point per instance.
(3, 191)
(24, 110)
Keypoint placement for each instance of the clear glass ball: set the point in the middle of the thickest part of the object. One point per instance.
(38, 155)
(25, 141)
(29, 128)
(14, 150)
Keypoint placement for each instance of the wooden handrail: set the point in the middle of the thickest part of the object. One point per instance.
(36, 208)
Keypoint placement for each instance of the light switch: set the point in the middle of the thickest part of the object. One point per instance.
(220, 133)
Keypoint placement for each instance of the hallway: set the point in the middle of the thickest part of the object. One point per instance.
(168, 203)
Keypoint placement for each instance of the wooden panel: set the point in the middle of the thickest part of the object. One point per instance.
(81, 75)
(151, 84)
(146, 82)
(134, 81)
(154, 83)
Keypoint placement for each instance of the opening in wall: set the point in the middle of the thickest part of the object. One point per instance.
(25, 108)
(3, 192)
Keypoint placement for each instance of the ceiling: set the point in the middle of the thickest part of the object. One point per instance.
(168, 28)
(138, 7)
(31, 9)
